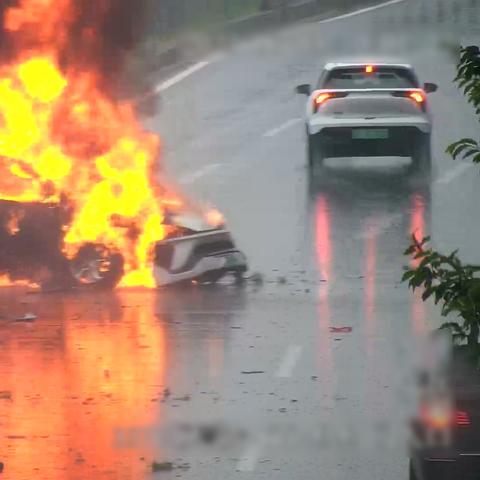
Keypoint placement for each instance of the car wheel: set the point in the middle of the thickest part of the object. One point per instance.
(315, 152)
(96, 267)
(421, 154)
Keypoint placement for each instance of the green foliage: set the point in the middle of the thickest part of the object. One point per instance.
(468, 75)
(468, 79)
(445, 278)
(449, 282)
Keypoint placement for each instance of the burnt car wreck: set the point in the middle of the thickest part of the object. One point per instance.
(196, 252)
(32, 249)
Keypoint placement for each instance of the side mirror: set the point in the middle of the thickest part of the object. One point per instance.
(304, 89)
(430, 87)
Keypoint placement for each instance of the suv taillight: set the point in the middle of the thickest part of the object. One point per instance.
(320, 97)
(417, 96)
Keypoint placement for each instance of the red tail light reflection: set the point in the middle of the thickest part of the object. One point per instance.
(444, 418)
(462, 418)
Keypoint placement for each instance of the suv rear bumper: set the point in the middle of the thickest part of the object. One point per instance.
(341, 142)
(317, 123)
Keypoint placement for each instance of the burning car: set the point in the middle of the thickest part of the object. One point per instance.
(81, 203)
(31, 243)
(32, 250)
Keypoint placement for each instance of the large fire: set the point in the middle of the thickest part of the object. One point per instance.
(63, 134)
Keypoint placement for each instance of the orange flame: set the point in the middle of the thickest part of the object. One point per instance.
(61, 135)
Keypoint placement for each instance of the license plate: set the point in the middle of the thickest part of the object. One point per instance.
(370, 134)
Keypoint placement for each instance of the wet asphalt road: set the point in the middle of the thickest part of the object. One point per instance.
(306, 376)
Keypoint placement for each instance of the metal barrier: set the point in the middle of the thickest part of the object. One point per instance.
(170, 16)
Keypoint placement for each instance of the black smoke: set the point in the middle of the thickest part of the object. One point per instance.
(97, 35)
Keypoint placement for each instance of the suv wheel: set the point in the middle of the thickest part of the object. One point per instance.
(315, 152)
(411, 472)
(421, 154)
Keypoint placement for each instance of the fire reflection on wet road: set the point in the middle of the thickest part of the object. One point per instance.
(87, 367)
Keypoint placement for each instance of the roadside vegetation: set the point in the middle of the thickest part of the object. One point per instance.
(453, 285)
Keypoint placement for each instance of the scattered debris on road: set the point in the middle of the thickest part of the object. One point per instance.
(162, 466)
(341, 329)
(209, 433)
(256, 278)
(5, 395)
(252, 372)
(185, 398)
(28, 317)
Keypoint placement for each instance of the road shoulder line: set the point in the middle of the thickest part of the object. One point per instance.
(361, 11)
(284, 126)
(453, 173)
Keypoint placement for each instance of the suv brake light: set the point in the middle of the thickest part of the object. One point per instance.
(320, 98)
(418, 96)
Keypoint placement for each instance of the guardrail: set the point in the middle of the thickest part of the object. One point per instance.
(234, 18)
(170, 16)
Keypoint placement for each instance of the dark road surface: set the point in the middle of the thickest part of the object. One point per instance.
(260, 381)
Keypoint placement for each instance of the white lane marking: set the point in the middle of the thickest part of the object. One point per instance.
(249, 460)
(289, 361)
(453, 173)
(282, 127)
(359, 12)
(192, 177)
(170, 82)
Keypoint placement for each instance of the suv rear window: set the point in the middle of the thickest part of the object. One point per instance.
(381, 77)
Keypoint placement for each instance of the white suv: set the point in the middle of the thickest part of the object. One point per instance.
(368, 110)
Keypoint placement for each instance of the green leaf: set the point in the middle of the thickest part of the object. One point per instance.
(427, 294)
(471, 152)
(461, 148)
(408, 275)
(453, 326)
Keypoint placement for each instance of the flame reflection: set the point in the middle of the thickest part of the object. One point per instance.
(74, 383)
(324, 253)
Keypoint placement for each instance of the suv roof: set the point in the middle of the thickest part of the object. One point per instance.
(332, 66)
